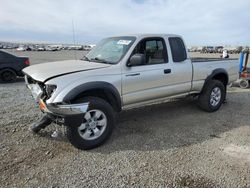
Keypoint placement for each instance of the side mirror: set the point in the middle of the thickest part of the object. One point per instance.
(136, 59)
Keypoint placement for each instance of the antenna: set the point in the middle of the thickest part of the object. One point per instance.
(74, 40)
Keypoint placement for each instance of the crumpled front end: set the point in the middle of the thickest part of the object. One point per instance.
(41, 93)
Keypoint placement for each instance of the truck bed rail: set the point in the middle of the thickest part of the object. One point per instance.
(202, 59)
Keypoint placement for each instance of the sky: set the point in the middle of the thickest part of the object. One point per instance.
(200, 22)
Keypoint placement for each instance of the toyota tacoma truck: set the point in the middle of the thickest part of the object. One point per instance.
(120, 73)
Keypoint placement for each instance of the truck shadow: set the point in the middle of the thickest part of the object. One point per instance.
(171, 125)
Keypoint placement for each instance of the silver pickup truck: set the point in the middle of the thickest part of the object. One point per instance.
(120, 73)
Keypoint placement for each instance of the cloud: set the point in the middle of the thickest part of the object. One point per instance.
(199, 21)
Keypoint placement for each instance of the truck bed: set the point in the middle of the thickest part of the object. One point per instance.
(203, 67)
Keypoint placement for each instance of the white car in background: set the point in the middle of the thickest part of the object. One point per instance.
(21, 48)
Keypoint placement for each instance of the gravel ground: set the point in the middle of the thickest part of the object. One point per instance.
(167, 145)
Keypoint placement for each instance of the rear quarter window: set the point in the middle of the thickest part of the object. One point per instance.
(178, 49)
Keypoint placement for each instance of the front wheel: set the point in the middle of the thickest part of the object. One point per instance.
(212, 96)
(96, 125)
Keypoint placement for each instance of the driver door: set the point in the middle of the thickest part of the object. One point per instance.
(144, 82)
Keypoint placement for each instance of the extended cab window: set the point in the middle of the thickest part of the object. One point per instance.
(154, 50)
(178, 49)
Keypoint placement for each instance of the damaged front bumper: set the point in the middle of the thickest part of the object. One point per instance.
(64, 109)
(65, 114)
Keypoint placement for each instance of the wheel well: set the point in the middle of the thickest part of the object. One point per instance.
(103, 94)
(221, 77)
(7, 68)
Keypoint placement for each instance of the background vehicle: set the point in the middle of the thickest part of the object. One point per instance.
(218, 49)
(87, 47)
(11, 66)
(122, 73)
(21, 48)
(41, 49)
(54, 47)
(75, 47)
(208, 49)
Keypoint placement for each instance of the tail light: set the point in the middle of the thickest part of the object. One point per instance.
(27, 62)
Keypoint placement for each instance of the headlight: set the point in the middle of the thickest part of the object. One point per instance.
(50, 90)
(36, 91)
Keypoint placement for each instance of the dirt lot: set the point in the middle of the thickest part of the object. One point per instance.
(167, 145)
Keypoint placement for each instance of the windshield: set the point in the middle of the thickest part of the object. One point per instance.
(110, 50)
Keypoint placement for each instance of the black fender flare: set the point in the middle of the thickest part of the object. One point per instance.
(214, 73)
(107, 87)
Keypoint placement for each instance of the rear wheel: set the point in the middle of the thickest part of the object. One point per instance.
(212, 96)
(8, 75)
(96, 125)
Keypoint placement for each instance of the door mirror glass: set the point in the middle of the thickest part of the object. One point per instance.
(136, 60)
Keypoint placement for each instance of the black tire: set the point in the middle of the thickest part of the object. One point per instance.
(8, 75)
(77, 140)
(204, 99)
(244, 84)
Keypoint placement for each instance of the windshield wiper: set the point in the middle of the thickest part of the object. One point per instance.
(85, 58)
(96, 59)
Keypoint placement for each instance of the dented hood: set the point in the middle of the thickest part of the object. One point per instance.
(44, 71)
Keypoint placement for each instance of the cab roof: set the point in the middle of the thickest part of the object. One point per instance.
(140, 35)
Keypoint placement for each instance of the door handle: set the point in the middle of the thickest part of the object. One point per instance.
(135, 74)
(167, 71)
